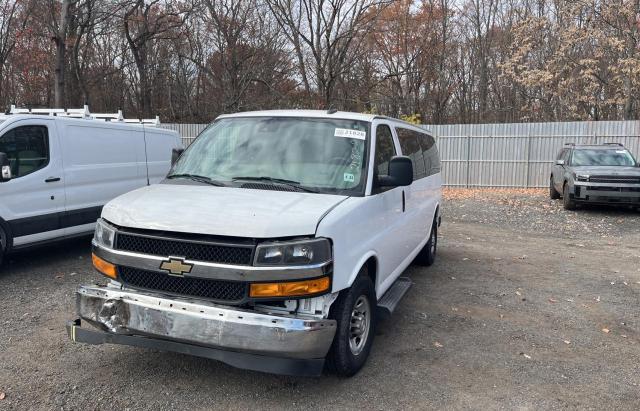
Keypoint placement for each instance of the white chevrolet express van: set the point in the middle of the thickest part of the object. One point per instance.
(274, 243)
(58, 172)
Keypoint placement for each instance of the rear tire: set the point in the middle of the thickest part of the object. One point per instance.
(567, 202)
(427, 255)
(354, 311)
(553, 193)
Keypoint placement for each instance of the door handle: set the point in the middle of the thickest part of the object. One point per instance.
(52, 179)
(403, 201)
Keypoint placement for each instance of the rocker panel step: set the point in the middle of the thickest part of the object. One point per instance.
(390, 300)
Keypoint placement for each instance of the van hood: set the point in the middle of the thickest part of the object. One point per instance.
(224, 211)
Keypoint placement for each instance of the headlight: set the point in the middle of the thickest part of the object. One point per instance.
(303, 252)
(582, 177)
(104, 234)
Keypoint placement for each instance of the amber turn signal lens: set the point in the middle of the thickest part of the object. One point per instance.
(104, 267)
(290, 289)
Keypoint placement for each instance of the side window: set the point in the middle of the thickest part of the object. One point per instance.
(410, 145)
(384, 150)
(561, 154)
(430, 154)
(27, 148)
(566, 156)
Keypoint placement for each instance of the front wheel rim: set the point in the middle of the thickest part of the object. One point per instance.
(359, 325)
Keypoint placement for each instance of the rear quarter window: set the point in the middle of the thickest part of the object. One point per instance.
(421, 149)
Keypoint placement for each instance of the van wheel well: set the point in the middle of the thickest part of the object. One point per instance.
(372, 270)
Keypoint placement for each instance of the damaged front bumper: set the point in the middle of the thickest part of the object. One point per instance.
(239, 337)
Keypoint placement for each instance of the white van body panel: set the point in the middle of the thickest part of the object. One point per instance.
(102, 155)
(90, 162)
(223, 211)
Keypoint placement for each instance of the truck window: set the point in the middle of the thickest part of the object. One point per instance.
(27, 148)
(384, 150)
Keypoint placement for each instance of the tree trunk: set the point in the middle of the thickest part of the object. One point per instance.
(61, 49)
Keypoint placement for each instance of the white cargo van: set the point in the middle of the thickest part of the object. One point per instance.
(58, 172)
(274, 243)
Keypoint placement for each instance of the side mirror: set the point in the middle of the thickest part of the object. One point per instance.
(559, 162)
(400, 173)
(175, 155)
(5, 168)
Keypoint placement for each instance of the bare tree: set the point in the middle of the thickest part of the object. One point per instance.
(326, 36)
(147, 22)
(13, 16)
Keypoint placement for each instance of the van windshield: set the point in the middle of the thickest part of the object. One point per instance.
(318, 155)
(602, 158)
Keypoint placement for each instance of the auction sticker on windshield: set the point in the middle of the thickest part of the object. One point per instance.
(348, 133)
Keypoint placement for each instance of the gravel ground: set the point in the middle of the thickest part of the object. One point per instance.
(533, 210)
(524, 309)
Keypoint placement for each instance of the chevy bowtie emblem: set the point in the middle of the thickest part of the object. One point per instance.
(176, 266)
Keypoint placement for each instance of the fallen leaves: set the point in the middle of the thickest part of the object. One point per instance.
(438, 345)
(2, 396)
(606, 330)
(506, 194)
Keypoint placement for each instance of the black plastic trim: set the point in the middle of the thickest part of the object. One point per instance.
(53, 221)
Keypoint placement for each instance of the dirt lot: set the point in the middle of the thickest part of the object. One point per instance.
(527, 307)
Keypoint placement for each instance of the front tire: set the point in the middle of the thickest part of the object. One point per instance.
(567, 202)
(354, 311)
(553, 193)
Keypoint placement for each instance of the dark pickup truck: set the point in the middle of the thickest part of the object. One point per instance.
(595, 174)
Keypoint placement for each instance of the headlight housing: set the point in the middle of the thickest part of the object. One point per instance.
(303, 252)
(105, 234)
(582, 177)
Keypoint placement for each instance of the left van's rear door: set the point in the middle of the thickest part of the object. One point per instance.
(32, 202)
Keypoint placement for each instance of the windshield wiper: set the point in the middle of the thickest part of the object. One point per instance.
(288, 183)
(200, 179)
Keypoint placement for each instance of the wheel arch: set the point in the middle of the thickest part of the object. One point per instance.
(370, 261)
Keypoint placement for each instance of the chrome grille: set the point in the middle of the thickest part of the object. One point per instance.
(191, 250)
(227, 291)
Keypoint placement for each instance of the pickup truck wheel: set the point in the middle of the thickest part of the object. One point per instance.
(354, 311)
(567, 202)
(553, 193)
(427, 255)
